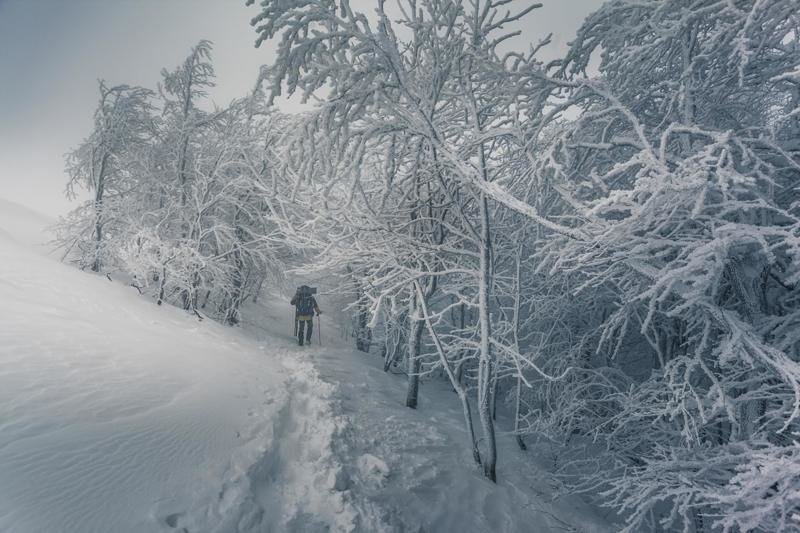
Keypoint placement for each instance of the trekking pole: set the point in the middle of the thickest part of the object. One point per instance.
(319, 330)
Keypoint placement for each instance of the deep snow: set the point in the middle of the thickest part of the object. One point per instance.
(120, 415)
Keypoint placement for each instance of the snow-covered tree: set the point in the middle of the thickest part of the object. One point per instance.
(123, 123)
(184, 201)
(678, 164)
(626, 241)
(429, 78)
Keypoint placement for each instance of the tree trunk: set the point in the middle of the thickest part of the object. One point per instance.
(517, 435)
(485, 364)
(98, 213)
(414, 359)
(364, 334)
(190, 296)
(232, 311)
(237, 281)
(460, 389)
(394, 354)
(467, 410)
(495, 387)
(162, 286)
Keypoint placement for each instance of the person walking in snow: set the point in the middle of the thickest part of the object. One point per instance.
(305, 306)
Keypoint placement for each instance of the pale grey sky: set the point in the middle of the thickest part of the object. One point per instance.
(53, 51)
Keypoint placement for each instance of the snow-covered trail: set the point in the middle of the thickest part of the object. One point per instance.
(288, 478)
(411, 470)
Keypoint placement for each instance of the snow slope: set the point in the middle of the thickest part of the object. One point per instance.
(119, 415)
(112, 411)
(25, 226)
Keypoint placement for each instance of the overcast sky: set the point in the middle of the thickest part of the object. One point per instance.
(53, 51)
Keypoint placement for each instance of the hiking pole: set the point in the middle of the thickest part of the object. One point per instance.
(319, 330)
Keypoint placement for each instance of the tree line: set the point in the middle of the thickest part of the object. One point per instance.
(182, 194)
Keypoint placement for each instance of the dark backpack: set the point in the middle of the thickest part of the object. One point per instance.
(305, 300)
(305, 305)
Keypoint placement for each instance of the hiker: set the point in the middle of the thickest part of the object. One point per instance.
(305, 306)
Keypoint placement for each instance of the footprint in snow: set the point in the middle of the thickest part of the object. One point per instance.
(173, 521)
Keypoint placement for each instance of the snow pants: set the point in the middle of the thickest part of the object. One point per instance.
(308, 326)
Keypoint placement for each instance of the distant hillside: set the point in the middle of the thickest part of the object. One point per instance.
(23, 225)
